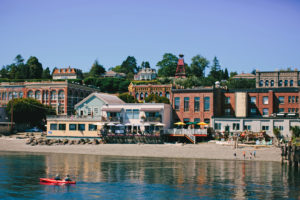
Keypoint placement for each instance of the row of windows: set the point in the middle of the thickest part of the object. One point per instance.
(30, 94)
(72, 127)
(186, 103)
(141, 96)
(236, 126)
(280, 83)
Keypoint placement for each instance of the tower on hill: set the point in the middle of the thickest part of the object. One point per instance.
(180, 70)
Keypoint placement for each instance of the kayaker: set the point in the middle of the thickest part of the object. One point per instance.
(57, 177)
(68, 178)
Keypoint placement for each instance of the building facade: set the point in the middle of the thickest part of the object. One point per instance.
(67, 73)
(277, 79)
(60, 95)
(113, 74)
(147, 74)
(140, 92)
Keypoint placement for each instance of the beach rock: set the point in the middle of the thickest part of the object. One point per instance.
(78, 141)
(95, 141)
(29, 140)
(65, 141)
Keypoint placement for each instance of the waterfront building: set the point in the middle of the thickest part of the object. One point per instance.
(107, 112)
(244, 76)
(140, 92)
(113, 74)
(67, 73)
(147, 74)
(61, 95)
(277, 79)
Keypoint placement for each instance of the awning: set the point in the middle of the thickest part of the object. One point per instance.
(110, 124)
(112, 109)
(146, 124)
(151, 109)
(127, 124)
(119, 125)
(159, 124)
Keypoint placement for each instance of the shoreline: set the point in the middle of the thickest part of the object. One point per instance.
(198, 151)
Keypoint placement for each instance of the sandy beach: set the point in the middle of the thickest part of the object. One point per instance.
(203, 150)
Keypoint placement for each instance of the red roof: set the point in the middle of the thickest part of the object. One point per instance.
(180, 62)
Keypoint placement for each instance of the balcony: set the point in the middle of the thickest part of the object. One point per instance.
(187, 131)
(112, 119)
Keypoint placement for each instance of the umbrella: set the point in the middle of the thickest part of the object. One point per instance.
(202, 123)
(146, 124)
(110, 124)
(127, 124)
(159, 124)
(119, 125)
(179, 123)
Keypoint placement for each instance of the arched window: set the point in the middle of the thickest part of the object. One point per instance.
(298, 82)
(272, 83)
(146, 94)
(261, 83)
(10, 95)
(137, 96)
(291, 83)
(286, 82)
(280, 83)
(3, 96)
(20, 94)
(30, 94)
(38, 95)
(168, 95)
(160, 94)
(267, 83)
(141, 96)
(61, 95)
(53, 95)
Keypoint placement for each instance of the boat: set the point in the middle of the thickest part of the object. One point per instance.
(53, 181)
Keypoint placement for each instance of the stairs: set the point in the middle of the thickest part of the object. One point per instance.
(191, 138)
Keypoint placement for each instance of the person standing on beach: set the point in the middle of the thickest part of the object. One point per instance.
(234, 154)
(244, 154)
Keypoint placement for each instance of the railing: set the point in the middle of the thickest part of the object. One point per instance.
(187, 131)
(153, 119)
(74, 117)
(112, 119)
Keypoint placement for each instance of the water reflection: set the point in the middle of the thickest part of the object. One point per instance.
(102, 176)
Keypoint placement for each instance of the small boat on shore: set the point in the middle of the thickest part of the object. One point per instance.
(53, 181)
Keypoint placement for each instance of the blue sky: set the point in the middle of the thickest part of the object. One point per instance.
(243, 34)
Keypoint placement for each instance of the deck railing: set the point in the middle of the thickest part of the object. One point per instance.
(187, 131)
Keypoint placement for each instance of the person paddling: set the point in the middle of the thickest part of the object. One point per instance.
(68, 178)
(57, 177)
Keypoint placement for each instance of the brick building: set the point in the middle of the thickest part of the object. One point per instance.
(275, 79)
(61, 95)
(140, 92)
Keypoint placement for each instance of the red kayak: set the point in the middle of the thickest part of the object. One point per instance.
(51, 180)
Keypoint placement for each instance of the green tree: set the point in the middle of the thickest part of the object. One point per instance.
(46, 73)
(295, 131)
(225, 74)
(127, 98)
(29, 111)
(215, 71)
(157, 99)
(4, 72)
(35, 68)
(145, 64)
(129, 65)
(96, 70)
(198, 66)
(167, 66)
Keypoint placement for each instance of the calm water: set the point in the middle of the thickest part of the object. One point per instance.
(100, 177)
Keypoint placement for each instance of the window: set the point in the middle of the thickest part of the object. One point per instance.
(227, 111)
(227, 100)
(197, 104)
(160, 94)
(265, 100)
(206, 103)
(197, 120)
(142, 96)
(261, 83)
(267, 83)
(247, 127)
(217, 126)
(265, 112)
(136, 114)
(96, 111)
(30, 94)
(298, 82)
(297, 110)
(286, 82)
(290, 99)
(167, 95)
(132, 114)
(186, 103)
(253, 100)
(281, 100)
(92, 127)
(137, 95)
(89, 111)
(279, 127)
(61, 95)
(236, 126)
(62, 127)
(53, 95)
(297, 99)
(265, 128)
(72, 127)
(253, 111)
(280, 83)
(20, 94)
(281, 110)
(289, 110)
(177, 103)
(272, 83)
(291, 83)
(81, 127)
(293, 99)
(146, 95)
(186, 120)
(53, 127)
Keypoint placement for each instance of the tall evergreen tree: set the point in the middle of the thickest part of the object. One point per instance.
(96, 70)
(46, 73)
(35, 68)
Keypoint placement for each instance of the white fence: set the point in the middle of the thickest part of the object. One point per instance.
(187, 131)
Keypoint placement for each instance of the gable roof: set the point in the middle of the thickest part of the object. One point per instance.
(107, 98)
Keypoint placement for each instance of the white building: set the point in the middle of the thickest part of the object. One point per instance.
(145, 74)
